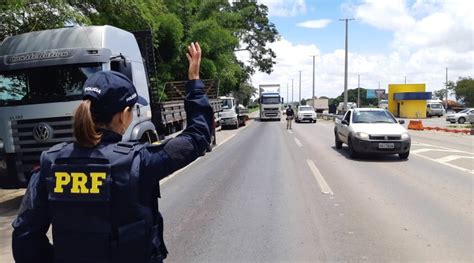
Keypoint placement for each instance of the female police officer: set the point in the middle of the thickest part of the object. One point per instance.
(100, 194)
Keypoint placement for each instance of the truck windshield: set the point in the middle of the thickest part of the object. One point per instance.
(270, 100)
(43, 85)
(226, 103)
(372, 117)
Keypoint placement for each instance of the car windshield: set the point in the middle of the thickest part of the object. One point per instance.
(436, 106)
(44, 85)
(307, 108)
(372, 117)
(465, 111)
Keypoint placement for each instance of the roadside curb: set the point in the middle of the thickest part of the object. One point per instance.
(418, 126)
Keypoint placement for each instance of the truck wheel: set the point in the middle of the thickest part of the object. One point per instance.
(352, 152)
(236, 125)
(403, 156)
(338, 143)
(461, 120)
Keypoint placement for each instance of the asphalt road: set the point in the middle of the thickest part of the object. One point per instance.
(269, 195)
(259, 197)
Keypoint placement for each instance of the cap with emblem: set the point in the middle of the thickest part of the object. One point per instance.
(110, 92)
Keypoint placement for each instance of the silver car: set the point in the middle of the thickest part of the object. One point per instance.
(461, 117)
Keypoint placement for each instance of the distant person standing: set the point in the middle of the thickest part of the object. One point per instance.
(290, 114)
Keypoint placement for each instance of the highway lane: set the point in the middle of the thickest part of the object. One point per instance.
(259, 198)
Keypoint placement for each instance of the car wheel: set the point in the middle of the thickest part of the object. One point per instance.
(452, 122)
(461, 120)
(352, 152)
(403, 156)
(338, 143)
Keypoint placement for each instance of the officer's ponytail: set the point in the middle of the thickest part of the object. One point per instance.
(84, 126)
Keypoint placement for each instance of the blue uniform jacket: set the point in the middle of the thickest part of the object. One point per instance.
(29, 240)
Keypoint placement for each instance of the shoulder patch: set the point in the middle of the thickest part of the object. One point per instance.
(58, 147)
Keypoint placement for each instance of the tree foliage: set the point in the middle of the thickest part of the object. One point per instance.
(352, 97)
(220, 27)
(464, 90)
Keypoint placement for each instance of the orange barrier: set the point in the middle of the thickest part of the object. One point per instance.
(415, 125)
(471, 132)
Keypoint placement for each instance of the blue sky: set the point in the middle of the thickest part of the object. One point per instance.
(388, 40)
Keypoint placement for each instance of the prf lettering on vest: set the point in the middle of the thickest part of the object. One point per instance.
(78, 182)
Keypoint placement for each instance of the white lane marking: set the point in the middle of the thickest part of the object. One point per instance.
(435, 150)
(290, 132)
(450, 158)
(184, 168)
(325, 189)
(439, 147)
(445, 163)
(298, 143)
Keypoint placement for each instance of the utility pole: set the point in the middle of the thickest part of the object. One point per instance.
(299, 98)
(292, 100)
(287, 98)
(358, 91)
(312, 98)
(345, 64)
(446, 104)
(405, 79)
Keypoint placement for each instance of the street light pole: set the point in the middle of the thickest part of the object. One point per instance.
(287, 98)
(312, 98)
(292, 93)
(299, 97)
(405, 79)
(358, 91)
(345, 64)
(446, 104)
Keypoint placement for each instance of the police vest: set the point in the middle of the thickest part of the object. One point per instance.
(97, 213)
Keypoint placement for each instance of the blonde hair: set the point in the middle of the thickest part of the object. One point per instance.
(85, 126)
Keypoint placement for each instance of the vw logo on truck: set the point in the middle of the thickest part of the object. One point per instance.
(42, 132)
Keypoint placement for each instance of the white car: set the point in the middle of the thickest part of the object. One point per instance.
(306, 113)
(368, 130)
(460, 117)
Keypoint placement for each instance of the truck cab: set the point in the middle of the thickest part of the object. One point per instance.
(231, 115)
(41, 79)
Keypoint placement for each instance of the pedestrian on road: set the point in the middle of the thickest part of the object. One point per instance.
(290, 114)
(100, 195)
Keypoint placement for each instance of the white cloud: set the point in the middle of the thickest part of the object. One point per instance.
(285, 8)
(321, 23)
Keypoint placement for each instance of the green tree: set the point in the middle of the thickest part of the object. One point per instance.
(464, 90)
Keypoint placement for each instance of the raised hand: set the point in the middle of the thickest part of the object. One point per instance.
(194, 58)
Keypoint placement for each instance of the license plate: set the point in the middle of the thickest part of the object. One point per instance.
(386, 145)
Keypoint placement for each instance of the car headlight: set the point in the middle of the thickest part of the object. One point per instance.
(362, 136)
(405, 136)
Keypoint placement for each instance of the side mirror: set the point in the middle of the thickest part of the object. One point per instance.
(401, 121)
(122, 65)
(345, 122)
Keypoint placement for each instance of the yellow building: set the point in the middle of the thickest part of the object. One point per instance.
(408, 100)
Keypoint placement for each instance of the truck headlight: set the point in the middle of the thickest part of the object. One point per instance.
(405, 136)
(362, 136)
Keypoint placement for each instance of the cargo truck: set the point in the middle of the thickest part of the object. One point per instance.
(41, 79)
(270, 102)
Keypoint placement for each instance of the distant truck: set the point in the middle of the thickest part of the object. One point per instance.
(232, 115)
(41, 79)
(340, 107)
(270, 102)
(320, 105)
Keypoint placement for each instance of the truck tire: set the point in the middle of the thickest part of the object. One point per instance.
(236, 125)
(461, 120)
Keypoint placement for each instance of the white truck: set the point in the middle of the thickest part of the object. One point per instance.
(270, 102)
(41, 79)
(232, 115)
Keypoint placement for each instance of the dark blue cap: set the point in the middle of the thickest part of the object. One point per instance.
(110, 92)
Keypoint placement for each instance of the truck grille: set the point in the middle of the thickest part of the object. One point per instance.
(28, 146)
(385, 137)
